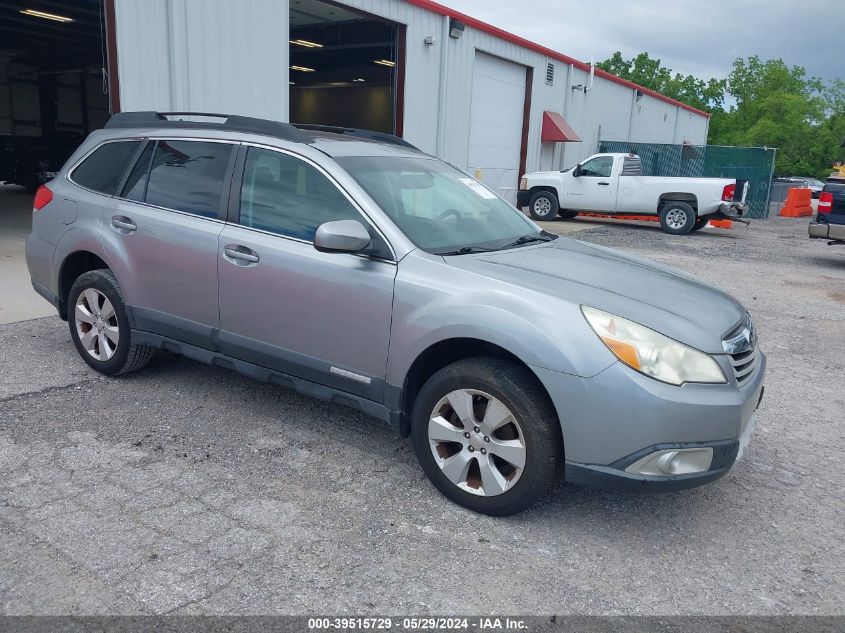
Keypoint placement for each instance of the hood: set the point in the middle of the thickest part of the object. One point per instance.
(659, 297)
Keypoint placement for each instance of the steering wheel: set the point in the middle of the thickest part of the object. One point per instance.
(447, 213)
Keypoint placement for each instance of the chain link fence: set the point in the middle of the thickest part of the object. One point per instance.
(754, 164)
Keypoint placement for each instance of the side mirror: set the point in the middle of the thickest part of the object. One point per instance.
(342, 236)
(577, 171)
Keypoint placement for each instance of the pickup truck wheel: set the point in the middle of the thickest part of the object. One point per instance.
(543, 205)
(566, 214)
(677, 218)
(700, 223)
(486, 435)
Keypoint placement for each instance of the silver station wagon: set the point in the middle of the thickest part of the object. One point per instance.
(352, 267)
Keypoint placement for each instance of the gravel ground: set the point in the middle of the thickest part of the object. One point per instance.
(189, 489)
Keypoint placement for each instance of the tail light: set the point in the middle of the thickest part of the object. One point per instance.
(728, 192)
(42, 198)
(825, 202)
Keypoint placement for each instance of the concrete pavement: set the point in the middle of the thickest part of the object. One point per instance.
(189, 489)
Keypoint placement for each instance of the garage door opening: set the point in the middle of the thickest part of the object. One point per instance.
(53, 88)
(346, 68)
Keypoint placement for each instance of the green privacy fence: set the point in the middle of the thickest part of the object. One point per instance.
(754, 164)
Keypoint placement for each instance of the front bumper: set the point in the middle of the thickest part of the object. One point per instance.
(523, 196)
(614, 477)
(614, 419)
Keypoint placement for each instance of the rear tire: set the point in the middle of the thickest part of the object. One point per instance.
(677, 218)
(99, 326)
(700, 223)
(497, 470)
(543, 206)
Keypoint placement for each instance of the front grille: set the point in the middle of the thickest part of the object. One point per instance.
(744, 364)
(741, 347)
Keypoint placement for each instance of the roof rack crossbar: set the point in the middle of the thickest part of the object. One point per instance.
(356, 132)
(152, 119)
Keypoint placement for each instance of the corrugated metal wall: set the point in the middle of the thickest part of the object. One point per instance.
(228, 56)
(204, 55)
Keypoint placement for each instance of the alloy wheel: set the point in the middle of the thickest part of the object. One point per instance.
(477, 442)
(96, 324)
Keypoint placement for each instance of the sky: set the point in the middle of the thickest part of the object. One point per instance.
(697, 37)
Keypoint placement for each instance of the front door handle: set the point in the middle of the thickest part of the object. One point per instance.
(605, 184)
(123, 224)
(240, 255)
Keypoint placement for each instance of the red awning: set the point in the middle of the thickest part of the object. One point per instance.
(556, 130)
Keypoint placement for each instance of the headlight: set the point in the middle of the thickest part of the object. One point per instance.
(523, 183)
(651, 353)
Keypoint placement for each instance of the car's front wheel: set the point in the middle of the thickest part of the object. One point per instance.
(543, 205)
(486, 435)
(99, 326)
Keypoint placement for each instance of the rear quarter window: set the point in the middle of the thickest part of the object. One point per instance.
(104, 167)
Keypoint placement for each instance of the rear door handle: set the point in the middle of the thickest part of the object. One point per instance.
(606, 184)
(123, 224)
(240, 255)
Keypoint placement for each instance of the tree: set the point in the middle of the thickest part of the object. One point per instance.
(650, 73)
(770, 105)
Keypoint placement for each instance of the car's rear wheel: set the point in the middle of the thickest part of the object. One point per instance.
(486, 435)
(543, 205)
(700, 223)
(99, 326)
(677, 218)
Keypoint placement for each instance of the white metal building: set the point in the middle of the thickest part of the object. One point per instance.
(486, 100)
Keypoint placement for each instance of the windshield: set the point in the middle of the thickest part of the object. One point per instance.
(439, 208)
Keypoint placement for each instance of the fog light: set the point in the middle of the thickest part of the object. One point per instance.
(673, 461)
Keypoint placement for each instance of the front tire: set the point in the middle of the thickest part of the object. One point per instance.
(487, 436)
(543, 206)
(677, 218)
(99, 326)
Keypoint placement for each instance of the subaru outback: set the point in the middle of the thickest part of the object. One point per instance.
(352, 267)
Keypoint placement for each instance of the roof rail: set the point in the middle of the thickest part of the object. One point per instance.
(382, 137)
(151, 119)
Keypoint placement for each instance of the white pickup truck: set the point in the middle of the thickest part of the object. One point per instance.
(613, 183)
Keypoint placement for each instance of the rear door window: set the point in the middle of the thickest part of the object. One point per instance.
(185, 176)
(102, 170)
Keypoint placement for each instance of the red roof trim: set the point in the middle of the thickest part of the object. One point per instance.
(438, 8)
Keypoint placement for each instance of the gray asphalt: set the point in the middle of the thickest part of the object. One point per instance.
(188, 489)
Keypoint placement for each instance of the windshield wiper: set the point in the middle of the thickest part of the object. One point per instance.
(533, 237)
(467, 250)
